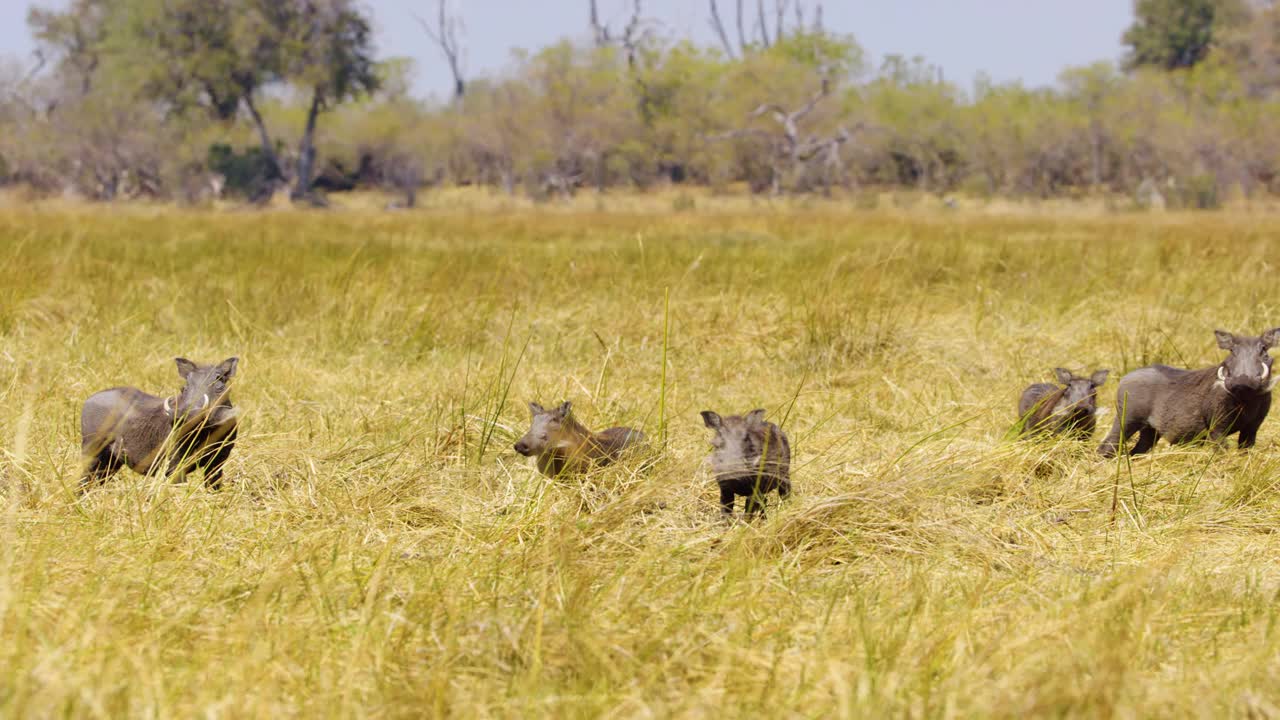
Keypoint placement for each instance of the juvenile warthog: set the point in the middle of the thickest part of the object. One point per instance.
(564, 446)
(195, 429)
(1186, 405)
(1062, 410)
(750, 458)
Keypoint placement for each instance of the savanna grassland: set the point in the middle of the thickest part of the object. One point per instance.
(379, 549)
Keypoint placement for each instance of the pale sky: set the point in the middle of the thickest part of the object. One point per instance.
(1027, 40)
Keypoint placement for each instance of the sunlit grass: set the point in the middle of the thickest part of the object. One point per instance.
(380, 550)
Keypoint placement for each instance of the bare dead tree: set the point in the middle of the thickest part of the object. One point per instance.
(742, 33)
(793, 144)
(445, 35)
(718, 25)
(765, 36)
(598, 29)
(794, 149)
(634, 33)
(780, 8)
(762, 25)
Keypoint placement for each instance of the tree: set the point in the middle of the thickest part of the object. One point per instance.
(633, 36)
(1253, 48)
(73, 37)
(1175, 34)
(1089, 89)
(788, 86)
(221, 56)
(445, 35)
(760, 35)
(326, 48)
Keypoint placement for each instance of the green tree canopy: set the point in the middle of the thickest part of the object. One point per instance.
(1174, 34)
(220, 55)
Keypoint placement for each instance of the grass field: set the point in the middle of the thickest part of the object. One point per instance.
(380, 550)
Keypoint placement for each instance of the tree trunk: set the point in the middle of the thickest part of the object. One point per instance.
(307, 152)
(274, 173)
(1096, 153)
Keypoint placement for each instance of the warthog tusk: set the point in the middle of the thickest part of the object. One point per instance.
(168, 406)
(205, 402)
(1265, 371)
(1222, 374)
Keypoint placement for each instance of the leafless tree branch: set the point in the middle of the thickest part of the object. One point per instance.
(761, 24)
(598, 29)
(445, 35)
(742, 34)
(718, 25)
(633, 34)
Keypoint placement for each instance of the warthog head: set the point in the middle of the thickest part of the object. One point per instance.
(1248, 367)
(207, 386)
(1081, 392)
(738, 444)
(544, 430)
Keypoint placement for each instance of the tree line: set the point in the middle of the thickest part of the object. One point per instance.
(191, 99)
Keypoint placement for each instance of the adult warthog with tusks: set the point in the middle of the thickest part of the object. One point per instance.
(1186, 405)
(194, 429)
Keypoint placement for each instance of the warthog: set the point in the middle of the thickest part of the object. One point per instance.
(194, 429)
(1066, 410)
(563, 446)
(1186, 405)
(750, 458)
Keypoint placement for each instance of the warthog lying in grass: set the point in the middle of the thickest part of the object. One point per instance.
(750, 458)
(564, 446)
(1186, 405)
(195, 429)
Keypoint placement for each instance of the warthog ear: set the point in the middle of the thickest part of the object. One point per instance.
(536, 409)
(1270, 337)
(1099, 378)
(563, 410)
(227, 368)
(1226, 340)
(185, 367)
(711, 419)
(755, 418)
(1063, 375)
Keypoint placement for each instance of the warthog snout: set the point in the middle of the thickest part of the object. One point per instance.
(205, 387)
(1248, 367)
(522, 447)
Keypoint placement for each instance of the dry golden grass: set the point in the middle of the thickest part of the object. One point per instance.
(380, 550)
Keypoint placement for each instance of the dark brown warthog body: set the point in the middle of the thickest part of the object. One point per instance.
(1186, 405)
(124, 426)
(1069, 409)
(750, 458)
(563, 446)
